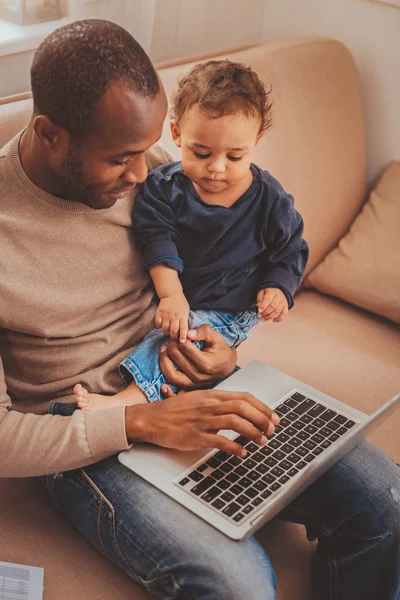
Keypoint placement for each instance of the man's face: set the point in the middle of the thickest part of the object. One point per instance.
(107, 164)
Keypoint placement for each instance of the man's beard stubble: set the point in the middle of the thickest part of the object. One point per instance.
(71, 178)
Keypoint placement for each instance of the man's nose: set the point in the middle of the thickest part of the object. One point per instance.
(137, 171)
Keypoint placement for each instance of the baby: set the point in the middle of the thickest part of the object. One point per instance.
(220, 236)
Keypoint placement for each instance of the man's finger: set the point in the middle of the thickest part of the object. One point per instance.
(229, 403)
(173, 376)
(175, 353)
(223, 443)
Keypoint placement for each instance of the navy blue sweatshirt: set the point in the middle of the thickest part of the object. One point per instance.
(224, 256)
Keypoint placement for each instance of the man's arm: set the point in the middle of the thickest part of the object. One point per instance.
(33, 445)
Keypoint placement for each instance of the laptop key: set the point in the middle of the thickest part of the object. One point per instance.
(316, 410)
(196, 476)
(310, 429)
(310, 457)
(284, 422)
(302, 435)
(266, 494)
(282, 409)
(204, 466)
(297, 396)
(235, 461)
(269, 478)
(217, 474)
(222, 455)
(251, 492)
(275, 486)
(243, 500)
(218, 504)
(285, 464)
(326, 444)
(333, 425)
(223, 484)
(298, 425)
(318, 450)
(277, 471)
(306, 419)
(302, 451)
(282, 437)
(238, 517)
(266, 450)
(258, 457)
(278, 455)
(340, 419)
(334, 437)
(245, 482)
(294, 458)
(287, 448)
(231, 509)
(247, 509)
(253, 475)
(301, 464)
(291, 403)
(232, 477)
(236, 489)
(242, 440)
(262, 468)
(227, 497)
(292, 472)
(274, 444)
(342, 431)
(295, 442)
(257, 501)
(304, 407)
(211, 494)
(201, 487)
(325, 431)
(309, 444)
(291, 431)
(227, 468)
(291, 417)
(271, 462)
(328, 415)
(240, 470)
(349, 424)
(251, 447)
(318, 423)
(284, 479)
(213, 462)
(260, 486)
(318, 438)
(249, 463)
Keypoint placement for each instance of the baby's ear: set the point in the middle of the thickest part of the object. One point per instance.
(176, 132)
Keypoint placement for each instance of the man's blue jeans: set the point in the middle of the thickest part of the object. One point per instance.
(353, 510)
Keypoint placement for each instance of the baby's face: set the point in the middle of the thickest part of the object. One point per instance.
(216, 152)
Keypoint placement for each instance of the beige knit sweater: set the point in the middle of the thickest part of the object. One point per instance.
(74, 301)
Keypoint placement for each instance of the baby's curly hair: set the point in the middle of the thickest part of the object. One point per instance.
(222, 87)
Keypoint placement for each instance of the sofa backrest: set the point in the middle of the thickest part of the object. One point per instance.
(316, 146)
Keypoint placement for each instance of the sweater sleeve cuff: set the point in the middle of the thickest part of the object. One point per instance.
(106, 432)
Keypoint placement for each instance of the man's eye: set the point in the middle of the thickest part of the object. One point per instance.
(201, 155)
(235, 158)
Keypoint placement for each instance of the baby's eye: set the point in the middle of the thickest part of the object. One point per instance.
(198, 155)
(235, 158)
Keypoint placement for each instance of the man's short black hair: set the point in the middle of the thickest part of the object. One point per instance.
(74, 66)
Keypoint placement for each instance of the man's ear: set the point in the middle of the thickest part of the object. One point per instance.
(176, 132)
(53, 137)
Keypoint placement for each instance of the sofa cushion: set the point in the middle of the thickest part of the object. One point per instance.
(364, 268)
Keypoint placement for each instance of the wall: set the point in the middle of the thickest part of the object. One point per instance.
(372, 32)
(166, 29)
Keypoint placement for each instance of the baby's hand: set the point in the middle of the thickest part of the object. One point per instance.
(272, 304)
(172, 316)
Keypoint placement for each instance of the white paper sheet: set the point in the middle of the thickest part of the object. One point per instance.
(20, 582)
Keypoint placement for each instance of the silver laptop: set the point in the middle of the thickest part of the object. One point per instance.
(237, 496)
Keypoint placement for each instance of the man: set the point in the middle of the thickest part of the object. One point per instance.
(75, 301)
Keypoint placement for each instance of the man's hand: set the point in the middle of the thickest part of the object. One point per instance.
(191, 421)
(172, 316)
(272, 304)
(198, 368)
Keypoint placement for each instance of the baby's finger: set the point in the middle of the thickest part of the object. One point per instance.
(183, 330)
(174, 328)
(165, 326)
(283, 314)
(158, 321)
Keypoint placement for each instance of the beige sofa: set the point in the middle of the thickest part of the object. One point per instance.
(317, 149)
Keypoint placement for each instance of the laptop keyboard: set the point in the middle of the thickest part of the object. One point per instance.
(234, 487)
